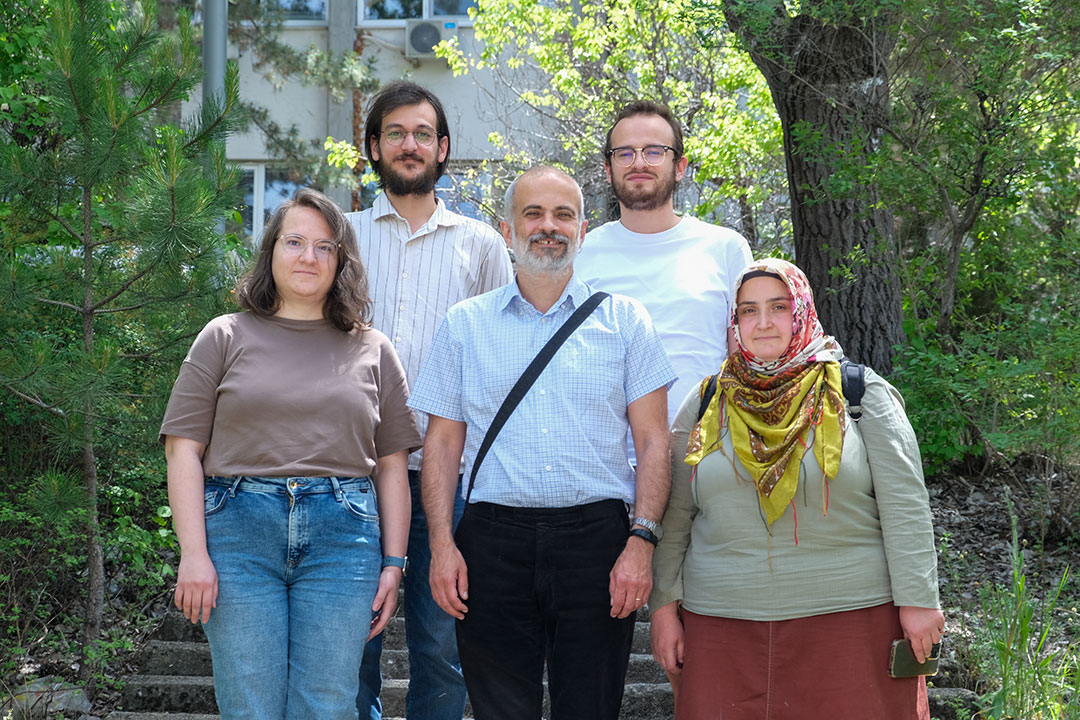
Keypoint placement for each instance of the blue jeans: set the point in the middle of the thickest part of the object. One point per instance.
(436, 687)
(298, 563)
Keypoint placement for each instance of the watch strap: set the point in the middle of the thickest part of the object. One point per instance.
(646, 535)
(394, 561)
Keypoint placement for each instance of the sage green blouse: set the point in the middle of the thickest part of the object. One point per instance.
(875, 543)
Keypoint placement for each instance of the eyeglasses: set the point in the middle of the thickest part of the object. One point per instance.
(297, 245)
(397, 137)
(651, 154)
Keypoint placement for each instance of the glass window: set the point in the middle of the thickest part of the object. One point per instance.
(451, 7)
(393, 9)
(464, 195)
(247, 193)
(279, 188)
(262, 190)
(409, 9)
(303, 9)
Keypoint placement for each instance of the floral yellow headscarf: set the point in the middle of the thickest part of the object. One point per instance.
(772, 406)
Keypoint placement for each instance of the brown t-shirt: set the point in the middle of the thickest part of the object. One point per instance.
(290, 398)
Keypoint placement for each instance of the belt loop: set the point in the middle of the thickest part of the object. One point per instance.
(337, 488)
(236, 482)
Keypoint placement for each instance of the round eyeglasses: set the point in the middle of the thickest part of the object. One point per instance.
(397, 137)
(651, 154)
(296, 245)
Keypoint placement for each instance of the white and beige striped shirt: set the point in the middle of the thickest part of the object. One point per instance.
(414, 278)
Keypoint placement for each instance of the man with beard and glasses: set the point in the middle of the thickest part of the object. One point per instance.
(421, 258)
(680, 268)
(546, 566)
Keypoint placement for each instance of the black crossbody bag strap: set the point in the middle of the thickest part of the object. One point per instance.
(529, 377)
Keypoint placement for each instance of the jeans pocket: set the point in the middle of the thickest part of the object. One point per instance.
(361, 503)
(214, 499)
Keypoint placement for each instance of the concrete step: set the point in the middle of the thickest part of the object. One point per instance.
(124, 715)
(151, 696)
(162, 693)
(175, 627)
(640, 701)
(175, 657)
(180, 658)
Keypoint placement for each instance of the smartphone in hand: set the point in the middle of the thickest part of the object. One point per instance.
(902, 662)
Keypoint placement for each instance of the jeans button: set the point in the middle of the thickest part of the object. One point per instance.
(294, 484)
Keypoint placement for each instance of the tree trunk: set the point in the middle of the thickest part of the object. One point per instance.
(358, 106)
(747, 222)
(95, 561)
(829, 84)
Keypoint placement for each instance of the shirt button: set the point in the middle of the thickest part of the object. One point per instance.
(543, 319)
(543, 430)
(401, 307)
(543, 392)
(397, 339)
(548, 468)
(405, 275)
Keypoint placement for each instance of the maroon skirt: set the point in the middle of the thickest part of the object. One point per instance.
(826, 667)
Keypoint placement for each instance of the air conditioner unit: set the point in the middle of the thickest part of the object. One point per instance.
(421, 36)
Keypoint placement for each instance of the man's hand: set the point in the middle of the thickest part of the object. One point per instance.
(449, 578)
(385, 602)
(196, 586)
(631, 578)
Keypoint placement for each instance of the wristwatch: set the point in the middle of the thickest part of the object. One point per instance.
(394, 561)
(645, 535)
(650, 525)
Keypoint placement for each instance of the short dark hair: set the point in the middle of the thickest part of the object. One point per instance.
(647, 107)
(347, 304)
(390, 98)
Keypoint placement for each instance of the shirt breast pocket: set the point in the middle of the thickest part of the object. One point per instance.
(592, 367)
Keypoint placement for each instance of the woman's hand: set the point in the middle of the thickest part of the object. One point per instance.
(395, 513)
(386, 598)
(923, 627)
(196, 586)
(196, 578)
(666, 633)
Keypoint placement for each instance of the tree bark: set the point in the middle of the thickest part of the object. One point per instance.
(95, 560)
(829, 84)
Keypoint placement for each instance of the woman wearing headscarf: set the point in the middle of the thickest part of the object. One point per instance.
(287, 436)
(797, 544)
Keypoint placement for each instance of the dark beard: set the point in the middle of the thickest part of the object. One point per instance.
(422, 184)
(645, 201)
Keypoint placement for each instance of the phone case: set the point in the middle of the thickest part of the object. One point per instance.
(902, 662)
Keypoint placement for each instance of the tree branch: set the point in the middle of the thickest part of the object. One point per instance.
(33, 400)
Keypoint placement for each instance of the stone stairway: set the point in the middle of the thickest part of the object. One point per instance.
(174, 680)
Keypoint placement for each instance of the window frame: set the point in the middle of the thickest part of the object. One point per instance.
(426, 14)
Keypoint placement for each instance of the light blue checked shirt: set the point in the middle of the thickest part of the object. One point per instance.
(565, 444)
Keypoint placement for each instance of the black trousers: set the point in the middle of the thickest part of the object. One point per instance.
(539, 590)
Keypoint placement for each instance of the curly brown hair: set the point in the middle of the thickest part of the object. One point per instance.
(347, 304)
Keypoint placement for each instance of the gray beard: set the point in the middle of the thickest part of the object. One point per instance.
(543, 264)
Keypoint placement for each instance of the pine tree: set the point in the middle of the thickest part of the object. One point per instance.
(112, 257)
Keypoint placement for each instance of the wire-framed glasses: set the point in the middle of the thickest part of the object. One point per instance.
(652, 154)
(298, 245)
(421, 137)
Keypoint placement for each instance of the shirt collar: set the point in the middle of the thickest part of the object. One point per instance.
(576, 292)
(442, 216)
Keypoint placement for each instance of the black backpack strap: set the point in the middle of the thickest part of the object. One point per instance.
(517, 393)
(853, 384)
(710, 391)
